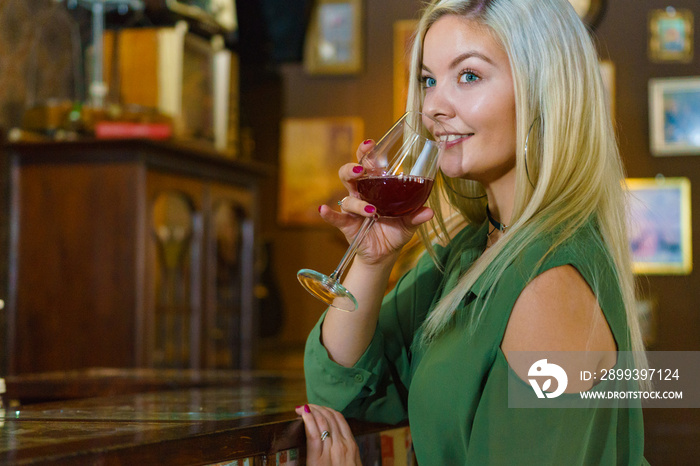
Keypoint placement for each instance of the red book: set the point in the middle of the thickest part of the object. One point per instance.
(129, 130)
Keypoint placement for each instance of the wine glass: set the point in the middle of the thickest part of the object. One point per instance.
(399, 173)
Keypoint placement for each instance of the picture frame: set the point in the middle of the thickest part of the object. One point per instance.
(674, 116)
(671, 35)
(404, 31)
(334, 42)
(312, 151)
(659, 230)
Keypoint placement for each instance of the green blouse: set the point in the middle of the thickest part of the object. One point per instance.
(455, 391)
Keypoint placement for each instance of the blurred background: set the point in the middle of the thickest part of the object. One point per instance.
(162, 163)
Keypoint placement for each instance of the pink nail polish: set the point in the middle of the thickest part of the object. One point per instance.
(306, 409)
(357, 169)
(370, 209)
(298, 407)
(366, 141)
(319, 209)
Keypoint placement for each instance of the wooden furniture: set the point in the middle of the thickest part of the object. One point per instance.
(128, 254)
(193, 418)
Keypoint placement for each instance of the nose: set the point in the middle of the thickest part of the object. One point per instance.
(437, 104)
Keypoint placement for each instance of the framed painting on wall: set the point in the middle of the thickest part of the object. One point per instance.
(404, 31)
(671, 35)
(334, 40)
(312, 151)
(674, 116)
(659, 226)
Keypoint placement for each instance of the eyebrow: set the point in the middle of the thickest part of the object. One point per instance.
(461, 57)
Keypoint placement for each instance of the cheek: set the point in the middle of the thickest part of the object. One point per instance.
(498, 113)
(482, 106)
(509, 126)
(501, 116)
(476, 111)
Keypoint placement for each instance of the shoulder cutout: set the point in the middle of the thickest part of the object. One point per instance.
(558, 311)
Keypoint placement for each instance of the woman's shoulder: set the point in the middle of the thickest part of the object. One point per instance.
(584, 248)
(578, 261)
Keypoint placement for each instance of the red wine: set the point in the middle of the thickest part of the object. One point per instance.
(394, 196)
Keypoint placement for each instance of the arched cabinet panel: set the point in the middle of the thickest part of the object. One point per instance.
(228, 313)
(128, 254)
(175, 237)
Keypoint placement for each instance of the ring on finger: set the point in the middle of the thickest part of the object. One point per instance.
(324, 435)
(340, 202)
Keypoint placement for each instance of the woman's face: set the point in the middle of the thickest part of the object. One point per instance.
(469, 88)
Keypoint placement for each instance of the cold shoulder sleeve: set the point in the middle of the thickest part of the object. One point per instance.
(461, 393)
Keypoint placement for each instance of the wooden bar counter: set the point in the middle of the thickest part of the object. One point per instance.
(167, 417)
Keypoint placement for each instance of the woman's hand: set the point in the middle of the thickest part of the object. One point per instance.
(388, 235)
(329, 440)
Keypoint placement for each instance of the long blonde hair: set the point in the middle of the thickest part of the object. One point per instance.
(573, 172)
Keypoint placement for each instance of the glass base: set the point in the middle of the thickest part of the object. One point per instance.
(327, 290)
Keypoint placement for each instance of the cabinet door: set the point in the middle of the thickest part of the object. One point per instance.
(173, 278)
(229, 328)
(74, 294)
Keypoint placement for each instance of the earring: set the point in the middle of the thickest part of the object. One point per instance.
(527, 138)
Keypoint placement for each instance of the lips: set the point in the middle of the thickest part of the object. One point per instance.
(452, 140)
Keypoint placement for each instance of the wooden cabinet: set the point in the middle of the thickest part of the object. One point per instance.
(128, 254)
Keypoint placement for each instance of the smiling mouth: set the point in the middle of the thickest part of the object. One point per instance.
(452, 140)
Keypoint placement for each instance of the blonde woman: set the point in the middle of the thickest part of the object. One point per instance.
(532, 165)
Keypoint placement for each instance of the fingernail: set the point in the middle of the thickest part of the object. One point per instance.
(370, 209)
(366, 141)
(297, 407)
(319, 209)
(357, 169)
(306, 409)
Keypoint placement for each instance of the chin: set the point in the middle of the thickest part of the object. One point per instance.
(456, 170)
(452, 167)
(453, 174)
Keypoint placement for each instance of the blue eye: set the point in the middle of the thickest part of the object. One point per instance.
(468, 77)
(428, 81)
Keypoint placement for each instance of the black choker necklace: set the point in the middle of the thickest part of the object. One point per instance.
(497, 225)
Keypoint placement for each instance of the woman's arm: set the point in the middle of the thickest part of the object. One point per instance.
(558, 312)
(346, 335)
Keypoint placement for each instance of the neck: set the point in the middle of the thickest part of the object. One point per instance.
(495, 223)
(500, 199)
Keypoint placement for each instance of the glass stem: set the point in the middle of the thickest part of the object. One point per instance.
(352, 249)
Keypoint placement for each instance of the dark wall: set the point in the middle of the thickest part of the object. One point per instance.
(367, 95)
(671, 434)
(622, 37)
